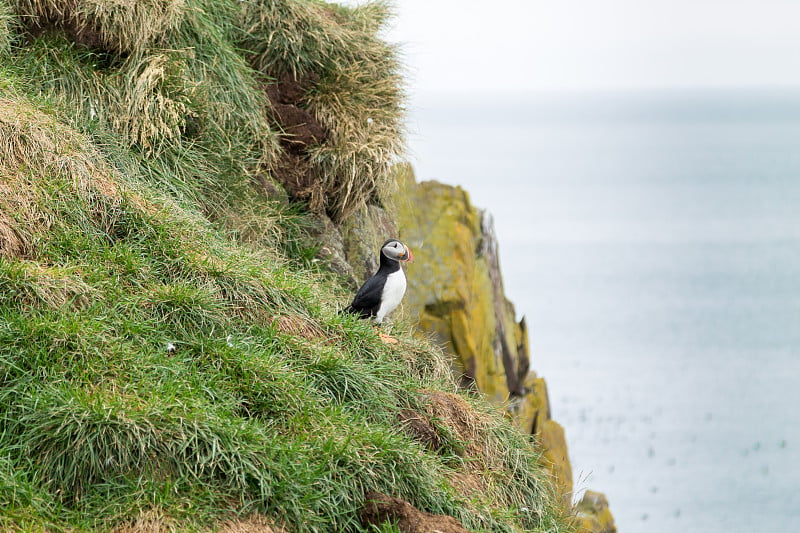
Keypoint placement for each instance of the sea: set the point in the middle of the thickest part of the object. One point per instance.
(652, 241)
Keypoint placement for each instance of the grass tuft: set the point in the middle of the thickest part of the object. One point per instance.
(119, 27)
(357, 98)
(6, 28)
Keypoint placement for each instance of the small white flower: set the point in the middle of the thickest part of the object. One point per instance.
(170, 348)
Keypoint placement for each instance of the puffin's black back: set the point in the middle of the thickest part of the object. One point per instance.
(368, 298)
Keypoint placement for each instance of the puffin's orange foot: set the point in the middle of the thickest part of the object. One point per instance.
(387, 339)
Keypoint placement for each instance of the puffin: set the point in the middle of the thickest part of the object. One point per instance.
(381, 293)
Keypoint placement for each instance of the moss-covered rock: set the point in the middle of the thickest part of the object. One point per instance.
(554, 445)
(456, 294)
(451, 292)
(351, 248)
(594, 514)
(331, 248)
(363, 234)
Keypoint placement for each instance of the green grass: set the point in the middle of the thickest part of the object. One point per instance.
(181, 83)
(6, 20)
(358, 95)
(128, 223)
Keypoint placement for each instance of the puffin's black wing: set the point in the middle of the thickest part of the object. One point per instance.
(368, 298)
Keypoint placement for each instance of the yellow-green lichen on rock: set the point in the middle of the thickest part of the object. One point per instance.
(554, 451)
(594, 515)
(456, 294)
(549, 433)
(451, 293)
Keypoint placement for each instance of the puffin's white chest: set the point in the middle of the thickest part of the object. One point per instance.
(393, 291)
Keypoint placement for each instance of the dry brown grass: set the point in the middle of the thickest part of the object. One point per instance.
(145, 102)
(154, 102)
(156, 73)
(34, 144)
(362, 111)
(120, 26)
(155, 521)
(36, 153)
(152, 521)
(12, 243)
(6, 20)
(51, 286)
(251, 524)
(298, 326)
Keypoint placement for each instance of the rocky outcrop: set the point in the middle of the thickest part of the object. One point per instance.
(456, 295)
(459, 298)
(594, 514)
(350, 248)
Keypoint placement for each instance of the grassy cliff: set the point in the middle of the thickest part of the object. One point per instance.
(171, 356)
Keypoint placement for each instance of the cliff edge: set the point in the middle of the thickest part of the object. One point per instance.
(456, 298)
(460, 300)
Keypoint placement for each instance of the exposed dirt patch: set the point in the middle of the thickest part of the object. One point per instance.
(295, 173)
(380, 508)
(300, 130)
(454, 412)
(287, 89)
(300, 127)
(420, 429)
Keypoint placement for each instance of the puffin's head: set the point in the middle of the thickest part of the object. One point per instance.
(396, 250)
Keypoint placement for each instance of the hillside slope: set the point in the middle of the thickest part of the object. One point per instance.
(171, 358)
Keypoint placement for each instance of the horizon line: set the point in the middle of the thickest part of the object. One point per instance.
(599, 90)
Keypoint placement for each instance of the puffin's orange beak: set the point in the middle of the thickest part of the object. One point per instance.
(409, 256)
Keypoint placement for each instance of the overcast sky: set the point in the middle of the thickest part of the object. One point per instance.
(591, 44)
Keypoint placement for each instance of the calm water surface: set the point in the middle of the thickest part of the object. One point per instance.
(653, 242)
